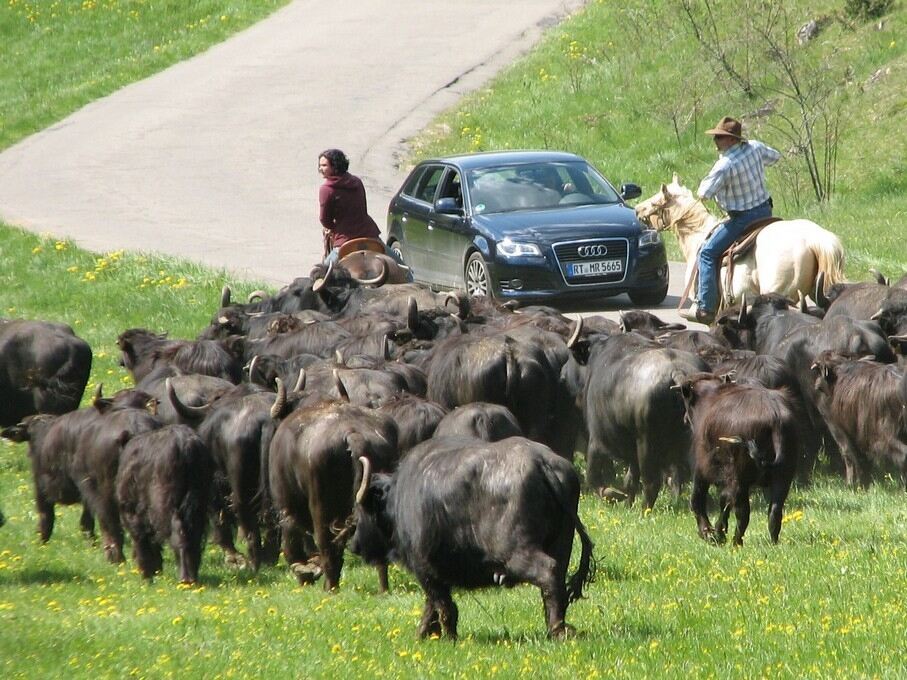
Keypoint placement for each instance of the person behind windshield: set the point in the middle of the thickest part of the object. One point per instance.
(343, 209)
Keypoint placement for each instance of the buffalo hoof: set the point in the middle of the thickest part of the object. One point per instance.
(563, 631)
(613, 495)
(306, 572)
(114, 554)
(235, 561)
(713, 537)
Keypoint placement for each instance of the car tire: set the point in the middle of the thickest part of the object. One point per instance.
(475, 276)
(648, 298)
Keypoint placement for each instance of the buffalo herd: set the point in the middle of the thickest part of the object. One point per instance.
(439, 431)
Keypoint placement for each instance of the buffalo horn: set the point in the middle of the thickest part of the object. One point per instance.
(341, 388)
(366, 474)
(225, 296)
(877, 275)
(257, 295)
(338, 357)
(98, 393)
(376, 281)
(577, 329)
(386, 347)
(623, 323)
(819, 293)
(736, 439)
(462, 301)
(878, 315)
(252, 365)
(300, 381)
(184, 410)
(803, 307)
(280, 401)
(412, 313)
(319, 283)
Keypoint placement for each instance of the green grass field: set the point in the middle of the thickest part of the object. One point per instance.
(826, 602)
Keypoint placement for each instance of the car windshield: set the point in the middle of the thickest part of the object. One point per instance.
(537, 186)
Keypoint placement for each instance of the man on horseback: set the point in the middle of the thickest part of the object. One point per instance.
(737, 183)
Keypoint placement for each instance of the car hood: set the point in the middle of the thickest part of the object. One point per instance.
(555, 225)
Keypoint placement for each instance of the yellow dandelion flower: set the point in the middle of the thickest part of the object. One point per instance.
(37, 249)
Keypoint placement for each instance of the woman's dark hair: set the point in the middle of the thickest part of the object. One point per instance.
(339, 162)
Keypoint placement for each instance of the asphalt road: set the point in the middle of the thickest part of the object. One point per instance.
(214, 159)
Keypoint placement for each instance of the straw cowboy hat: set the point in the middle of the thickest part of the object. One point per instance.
(727, 127)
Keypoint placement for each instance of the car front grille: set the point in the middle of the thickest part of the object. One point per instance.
(567, 253)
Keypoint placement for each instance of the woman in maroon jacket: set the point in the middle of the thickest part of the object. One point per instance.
(344, 214)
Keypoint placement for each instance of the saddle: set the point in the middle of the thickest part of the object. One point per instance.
(357, 244)
(741, 247)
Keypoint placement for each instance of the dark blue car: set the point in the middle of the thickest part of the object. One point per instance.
(533, 226)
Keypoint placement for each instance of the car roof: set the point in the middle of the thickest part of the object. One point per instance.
(485, 159)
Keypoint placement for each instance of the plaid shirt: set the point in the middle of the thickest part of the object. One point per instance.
(737, 180)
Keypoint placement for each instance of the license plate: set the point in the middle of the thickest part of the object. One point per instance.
(596, 268)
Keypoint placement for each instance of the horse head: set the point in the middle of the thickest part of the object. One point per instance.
(668, 207)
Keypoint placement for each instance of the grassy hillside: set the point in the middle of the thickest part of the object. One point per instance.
(59, 56)
(627, 86)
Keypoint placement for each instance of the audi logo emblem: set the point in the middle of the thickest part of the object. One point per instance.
(592, 251)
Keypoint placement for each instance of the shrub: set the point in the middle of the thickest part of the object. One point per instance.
(867, 9)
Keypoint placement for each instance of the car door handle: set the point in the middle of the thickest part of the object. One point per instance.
(404, 218)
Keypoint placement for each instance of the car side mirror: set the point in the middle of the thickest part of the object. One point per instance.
(630, 190)
(448, 206)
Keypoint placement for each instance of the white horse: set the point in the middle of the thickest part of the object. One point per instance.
(787, 257)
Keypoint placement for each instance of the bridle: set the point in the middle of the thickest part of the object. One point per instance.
(661, 215)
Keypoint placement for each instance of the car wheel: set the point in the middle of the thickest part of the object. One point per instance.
(476, 276)
(649, 298)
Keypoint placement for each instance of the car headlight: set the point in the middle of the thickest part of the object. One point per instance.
(509, 248)
(648, 237)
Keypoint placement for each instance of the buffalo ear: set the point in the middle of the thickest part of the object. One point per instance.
(103, 404)
(664, 191)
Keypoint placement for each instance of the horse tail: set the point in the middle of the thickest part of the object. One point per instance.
(829, 254)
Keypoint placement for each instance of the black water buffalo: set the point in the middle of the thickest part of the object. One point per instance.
(646, 323)
(194, 390)
(162, 486)
(744, 435)
(632, 415)
(296, 296)
(238, 429)
(463, 513)
(318, 460)
(317, 338)
(865, 406)
(74, 458)
(761, 326)
(498, 369)
(143, 351)
(771, 372)
(479, 420)
(44, 368)
(416, 419)
(264, 369)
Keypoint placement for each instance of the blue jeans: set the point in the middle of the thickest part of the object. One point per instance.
(713, 249)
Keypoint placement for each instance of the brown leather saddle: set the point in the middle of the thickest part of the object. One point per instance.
(741, 247)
